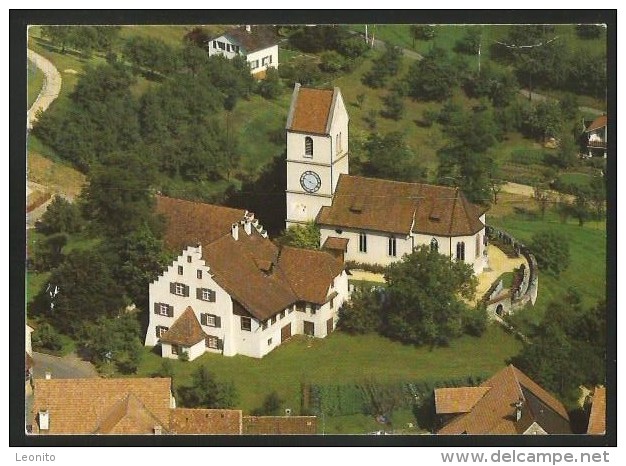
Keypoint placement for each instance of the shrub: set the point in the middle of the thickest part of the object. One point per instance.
(362, 314)
(551, 250)
(45, 337)
(332, 62)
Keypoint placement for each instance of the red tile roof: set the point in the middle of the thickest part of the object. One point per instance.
(458, 400)
(115, 406)
(259, 37)
(196, 421)
(494, 413)
(395, 207)
(310, 110)
(186, 330)
(279, 425)
(597, 416)
(599, 122)
(190, 223)
(339, 244)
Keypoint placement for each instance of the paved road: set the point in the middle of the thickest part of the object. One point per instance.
(51, 86)
(66, 367)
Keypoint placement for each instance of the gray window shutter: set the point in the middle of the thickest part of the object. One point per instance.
(157, 307)
(220, 344)
(203, 318)
(173, 288)
(185, 290)
(212, 296)
(198, 293)
(170, 311)
(218, 321)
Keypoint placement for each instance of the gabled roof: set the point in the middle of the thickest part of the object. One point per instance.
(336, 244)
(259, 37)
(279, 425)
(599, 122)
(309, 272)
(311, 110)
(458, 400)
(197, 421)
(186, 330)
(401, 208)
(191, 223)
(495, 412)
(597, 416)
(87, 406)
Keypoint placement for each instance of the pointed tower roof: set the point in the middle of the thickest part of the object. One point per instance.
(312, 109)
(185, 331)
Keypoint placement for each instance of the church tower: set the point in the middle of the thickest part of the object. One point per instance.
(317, 151)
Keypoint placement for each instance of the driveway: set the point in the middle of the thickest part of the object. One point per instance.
(51, 86)
(66, 367)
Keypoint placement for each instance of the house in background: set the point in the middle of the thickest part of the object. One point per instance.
(596, 137)
(233, 291)
(140, 406)
(257, 44)
(597, 416)
(508, 403)
(368, 220)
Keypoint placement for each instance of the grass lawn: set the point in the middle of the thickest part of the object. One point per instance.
(35, 79)
(575, 178)
(46, 169)
(341, 358)
(586, 272)
(170, 34)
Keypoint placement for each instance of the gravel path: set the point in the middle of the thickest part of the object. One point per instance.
(51, 86)
(541, 98)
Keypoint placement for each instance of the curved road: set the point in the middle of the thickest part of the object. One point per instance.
(51, 86)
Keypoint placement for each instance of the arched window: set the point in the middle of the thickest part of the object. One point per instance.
(460, 251)
(391, 247)
(308, 146)
(434, 245)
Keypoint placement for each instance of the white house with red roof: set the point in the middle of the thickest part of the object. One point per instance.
(596, 134)
(368, 220)
(233, 291)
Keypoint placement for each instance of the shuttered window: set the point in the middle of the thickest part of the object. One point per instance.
(213, 342)
(164, 309)
(246, 324)
(205, 294)
(211, 320)
(179, 289)
(160, 330)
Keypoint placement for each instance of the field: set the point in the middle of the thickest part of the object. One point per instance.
(340, 358)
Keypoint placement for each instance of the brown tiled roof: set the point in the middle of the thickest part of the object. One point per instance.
(186, 330)
(393, 206)
(310, 110)
(457, 400)
(129, 416)
(205, 421)
(309, 272)
(494, 413)
(279, 425)
(259, 37)
(597, 416)
(597, 123)
(190, 223)
(82, 406)
(340, 244)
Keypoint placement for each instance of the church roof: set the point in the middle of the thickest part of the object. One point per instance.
(495, 411)
(401, 208)
(107, 406)
(311, 110)
(186, 330)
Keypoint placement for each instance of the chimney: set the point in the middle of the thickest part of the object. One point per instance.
(158, 430)
(235, 231)
(247, 226)
(518, 410)
(44, 420)
(248, 28)
(48, 375)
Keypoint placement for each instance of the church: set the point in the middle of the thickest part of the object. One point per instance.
(368, 220)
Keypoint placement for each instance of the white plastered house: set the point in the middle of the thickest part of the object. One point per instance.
(233, 291)
(258, 44)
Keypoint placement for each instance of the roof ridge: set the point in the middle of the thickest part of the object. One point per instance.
(198, 202)
(412, 183)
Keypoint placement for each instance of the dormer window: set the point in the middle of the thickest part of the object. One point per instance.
(308, 147)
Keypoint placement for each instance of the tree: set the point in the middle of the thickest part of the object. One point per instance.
(362, 313)
(580, 207)
(272, 404)
(194, 59)
(61, 216)
(542, 198)
(424, 300)
(58, 35)
(302, 236)
(86, 290)
(360, 99)
(152, 55)
(470, 42)
(597, 194)
(352, 47)
(198, 36)
(331, 62)
(385, 65)
(271, 87)
(207, 392)
(422, 32)
(551, 249)
(542, 121)
(432, 78)
(394, 106)
(589, 31)
(48, 252)
(390, 157)
(568, 348)
(119, 196)
(45, 337)
(318, 38)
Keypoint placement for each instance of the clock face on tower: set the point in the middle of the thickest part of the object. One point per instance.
(310, 181)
